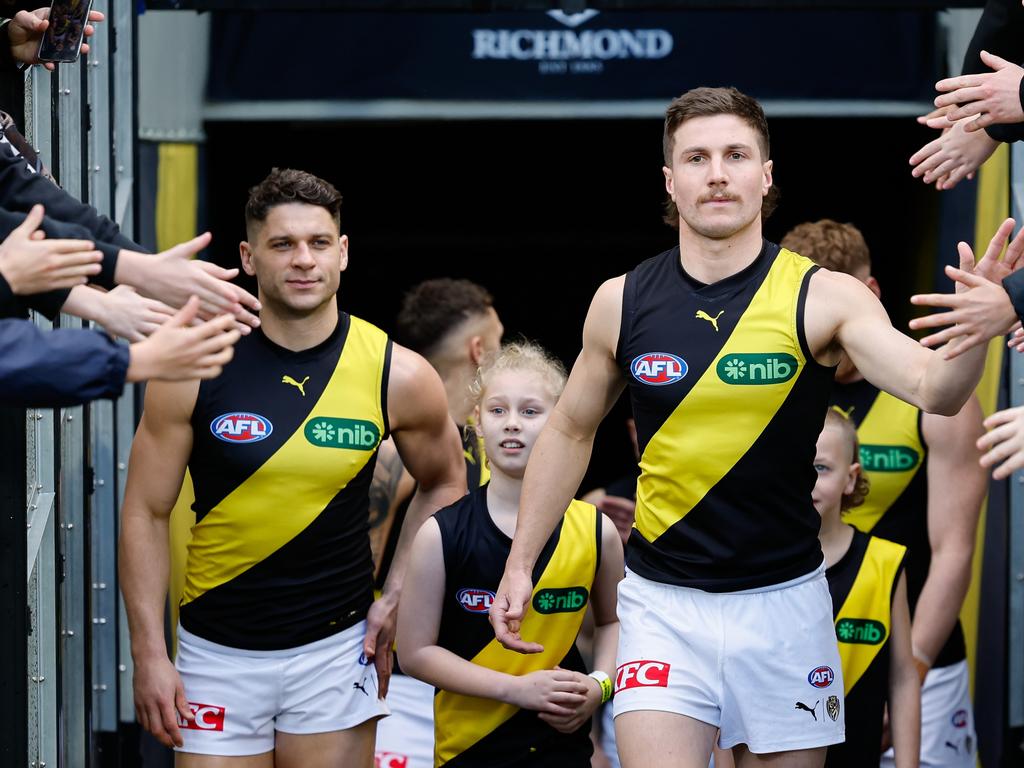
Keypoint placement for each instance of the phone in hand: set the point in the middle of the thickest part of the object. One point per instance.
(62, 40)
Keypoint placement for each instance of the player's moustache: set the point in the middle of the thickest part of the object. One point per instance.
(719, 197)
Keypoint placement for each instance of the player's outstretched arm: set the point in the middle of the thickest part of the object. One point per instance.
(156, 467)
(429, 446)
(559, 459)
(904, 684)
(983, 309)
(844, 316)
(552, 692)
(606, 629)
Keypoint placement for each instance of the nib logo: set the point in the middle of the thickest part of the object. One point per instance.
(860, 631)
(564, 600)
(888, 458)
(354, 434)
(757, 368)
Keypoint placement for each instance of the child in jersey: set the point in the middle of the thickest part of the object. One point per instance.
(872, 616)
(494, 707)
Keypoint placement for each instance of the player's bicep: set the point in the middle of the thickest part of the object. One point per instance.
(609, 573)
(419, 611)
(160, 449)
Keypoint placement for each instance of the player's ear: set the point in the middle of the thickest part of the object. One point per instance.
(476, 349)
(245, 251)
(343, 247)
(667, 173)
(851, 480)
(767, 182)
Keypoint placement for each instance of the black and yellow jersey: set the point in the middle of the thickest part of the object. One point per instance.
(862, 584)
(470, 731)
(728, 403)
(894, 457)
(283, 453)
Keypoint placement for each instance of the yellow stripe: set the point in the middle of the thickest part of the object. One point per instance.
(870, 598)
(461, 721)
(177, 193)
(993, 206)
(890, 422)
(717, 423)
(292, 488)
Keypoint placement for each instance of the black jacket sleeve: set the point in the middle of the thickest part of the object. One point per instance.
(21, 188)
(1014, 286)
(1000, 31)
(50, 369)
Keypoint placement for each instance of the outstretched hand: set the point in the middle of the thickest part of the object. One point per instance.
(992, 97)
(954, 156)
(980, 307)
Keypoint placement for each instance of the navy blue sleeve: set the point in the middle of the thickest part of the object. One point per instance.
(1014, 286)
(49, 369)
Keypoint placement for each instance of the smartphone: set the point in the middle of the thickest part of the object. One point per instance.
(62, 40)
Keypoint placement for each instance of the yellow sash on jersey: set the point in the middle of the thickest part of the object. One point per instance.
(891, 454)
(461, 721)
(717, 422)
(292, 488)
(864, 622)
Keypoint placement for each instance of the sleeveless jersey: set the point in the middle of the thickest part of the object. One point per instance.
(470, 731)
(894, 457)
(728, 403)
(862, 585)
(283, 453)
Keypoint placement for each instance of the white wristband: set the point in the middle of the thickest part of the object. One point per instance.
(605, 682)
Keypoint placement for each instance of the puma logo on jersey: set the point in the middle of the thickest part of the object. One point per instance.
(297, 384)
(702, 315)
(805, 708)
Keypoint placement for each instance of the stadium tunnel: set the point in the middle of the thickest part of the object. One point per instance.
(518, 144)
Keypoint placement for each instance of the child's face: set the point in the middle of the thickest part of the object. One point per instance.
(837, 473)
(514, 409)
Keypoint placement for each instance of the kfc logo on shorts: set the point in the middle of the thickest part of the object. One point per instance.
(658, 368)
(475, 600)
(959, 718)
(642, 674)
(390, 760)
(207, 718)
(821, 677)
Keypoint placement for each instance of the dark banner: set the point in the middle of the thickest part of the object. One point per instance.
(584, 56)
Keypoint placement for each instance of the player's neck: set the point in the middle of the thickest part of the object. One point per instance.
(460, 400)
(503, 500)
(835, 537)
(298, 332)
(710, 260)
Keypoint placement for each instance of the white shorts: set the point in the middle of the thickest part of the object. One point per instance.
(406, 739)
(947, 720)
(761, 665)
(240, 698)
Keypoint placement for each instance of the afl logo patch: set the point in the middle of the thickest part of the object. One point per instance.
(822, 677)
(658, 368)
(241, 427)
(475, 600)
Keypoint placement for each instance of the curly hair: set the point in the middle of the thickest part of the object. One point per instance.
(286, 185)
(433, 308)
(708, 102)
(835, 246)
(521, 356)
(839, 420)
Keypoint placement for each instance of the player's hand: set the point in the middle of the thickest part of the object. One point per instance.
(621, 511)
(380, 639)
(172, 276)
(981, 308)
(953, 156)
(124, 313)
(1003, 444)
(511, 602)
(31, 264)
(26, 29)
(178, 351)
(160, 700)
(592, 700)
(555, 692)
(994, 97)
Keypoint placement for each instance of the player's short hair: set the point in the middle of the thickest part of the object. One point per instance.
(707, 102)
(521, 356)
(836, 419)
(287, 185)
(835, 246)
(434, 308)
